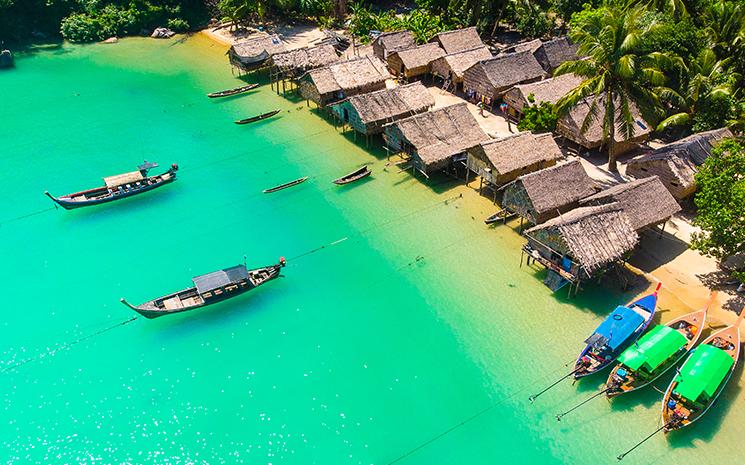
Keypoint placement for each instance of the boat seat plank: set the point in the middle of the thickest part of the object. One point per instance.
(173, 303)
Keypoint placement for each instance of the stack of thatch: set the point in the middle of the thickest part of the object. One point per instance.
(253, 52)
(544, 194)
(433, 138)
(459, 40)
(389, 42)
(454, 65)
(646, 202)
(593, 236)
(677, 163)
(344, 79)
(294, 63)
(549, 90)
(491, 78)
(414, 61)
(503, 160)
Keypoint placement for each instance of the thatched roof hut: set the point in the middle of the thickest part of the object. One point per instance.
(344, 79)
(389, 42)
(503, 160)
(434, 138)
(676, 163)
(453, 66)
(544, 194)
(646, 202)
(295, 63)
(414, 61)
(458, 40)
(531, 46)
(491, 78)
(549, 90)
(254, 52)
(570, 125)
(367, 113)
(555, 52)
(584, 240)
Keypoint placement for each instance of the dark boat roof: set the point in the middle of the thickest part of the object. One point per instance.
(216, 279)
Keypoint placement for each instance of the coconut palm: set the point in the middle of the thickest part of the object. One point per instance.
(706, 81)
(617, 76)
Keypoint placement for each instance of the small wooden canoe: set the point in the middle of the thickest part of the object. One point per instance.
(285, 185)
(702, 378)
(655, 353)
(353, 176)
(236, 91)
(260, 117)
(615, 334)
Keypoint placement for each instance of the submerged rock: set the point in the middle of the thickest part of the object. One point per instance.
(6, 59)
(162, 33)
(111, 40)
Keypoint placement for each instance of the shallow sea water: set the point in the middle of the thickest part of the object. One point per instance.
(369, 351)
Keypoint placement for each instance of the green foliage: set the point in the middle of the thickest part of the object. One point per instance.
(107, 22)
(721, 202)
(422, 23)
(177, 25)
(538, 118)
(530, 19)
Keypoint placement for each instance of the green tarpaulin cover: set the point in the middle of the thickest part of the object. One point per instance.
(703, 372)
(653, 348)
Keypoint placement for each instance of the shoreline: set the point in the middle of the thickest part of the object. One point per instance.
(682, 288)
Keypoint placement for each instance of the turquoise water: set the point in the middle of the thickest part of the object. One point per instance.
(417, 337)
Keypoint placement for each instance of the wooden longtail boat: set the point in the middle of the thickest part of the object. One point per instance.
(491, 219)
(260, 117)
(702, 378)
(656, 352)
(622, 327)
(353, 176)
(209, 289)
(117, 187)
(236, 91)
(285, 185)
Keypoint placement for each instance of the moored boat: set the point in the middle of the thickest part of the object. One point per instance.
(285, 185)
(118, 187)
(616, 333)
(353, 176)
(209, 289)
(260, 117)
(6, 59)
(655, 353)
(702, 378)
(229, 92)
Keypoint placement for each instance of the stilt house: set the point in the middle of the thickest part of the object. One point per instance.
(389, 42)
(549, 90)
(493, 77)
(338, 81)
(415, 61)
(253, 53)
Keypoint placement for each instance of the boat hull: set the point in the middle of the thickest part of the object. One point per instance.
(354, 176)
(236, 91)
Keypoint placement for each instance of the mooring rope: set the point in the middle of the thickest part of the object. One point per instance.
(26, 215)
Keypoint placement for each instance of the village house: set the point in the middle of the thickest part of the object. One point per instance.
(676, 163)
(452, 67)
(294, 63)
(491, 78)
(554, 52)
(549, 90)
(389, 42)
(458, 40)
(437, 138)
(344, 79)
(367, 113)
(414, 62)
(253, 53)
(542, 195)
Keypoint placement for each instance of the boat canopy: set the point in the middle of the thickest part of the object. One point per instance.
(217, 279)
(617, 328)
(121, 179)
(703, 372)
(653, 349)
(148, 165)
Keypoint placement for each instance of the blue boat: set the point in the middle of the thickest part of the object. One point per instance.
(615, 334)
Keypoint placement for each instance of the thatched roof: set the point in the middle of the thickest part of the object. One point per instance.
(646, 202)
(571, 124)
(549, 90)
(530, 46)
(396, 40)
(386, 104)
(552, 188)
(696, 147)
(555, 52)
(352, 74)
(459, 62)
(459, 40)
(259, 45)
(302, 59)
(510, 69)
(420, 56)
(596, 236)
(439, 134)
(520, 150)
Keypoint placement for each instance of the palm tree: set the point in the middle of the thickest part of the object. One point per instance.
(616, 75)
(706, 80)
(725, 26)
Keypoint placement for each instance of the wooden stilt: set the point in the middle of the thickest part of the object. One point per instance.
(521, 224)
(481, 185)
(662, 231)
